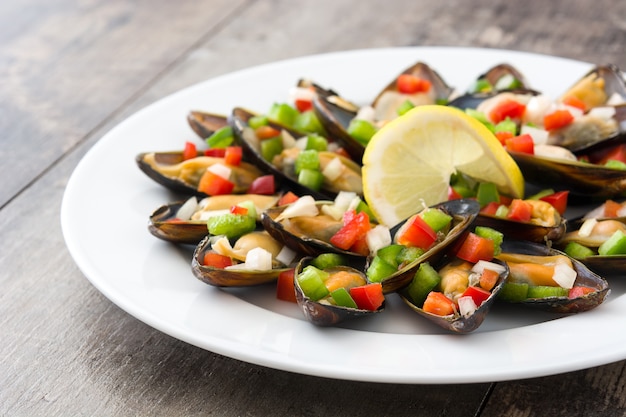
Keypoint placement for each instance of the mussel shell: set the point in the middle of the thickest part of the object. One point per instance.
(190, 232)
(495, 73)
(464, 212)
(473, 100)
(460, 324)
(205, 124)
(239, 121)
(613, 77)
(595, 150)
(523, 230)
(228, 278)
(326, 314)
(301, 243)
(579, 178)
(585, 277)
(613, 266)
(335, 115)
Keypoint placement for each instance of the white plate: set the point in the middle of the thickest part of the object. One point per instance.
(107, 202)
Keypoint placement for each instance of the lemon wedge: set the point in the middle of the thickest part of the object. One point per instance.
(409, 161)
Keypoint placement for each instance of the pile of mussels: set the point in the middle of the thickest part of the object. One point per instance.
(263, 222)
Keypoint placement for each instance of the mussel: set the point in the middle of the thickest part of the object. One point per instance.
(167, 223)
(242, 272)
(459, 283)
(593, 288)
(282, 165)
(204, 124)
(328, 309)
(602, 85)
(172, 171)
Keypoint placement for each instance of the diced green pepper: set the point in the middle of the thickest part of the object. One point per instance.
(308, 122)
(614, 164)
(307, 159)
(513, 292)
(328, 260)
(342, 298)
(502, 211)
(424, 281)
(436, 218)
(480, 86)
(379, 269)
(231, 225)
(311, 178)
(506, 125)
(541, 194)
(409, 254)
(487, 193)
(481, 117)
(363, 207)
(283, 113)
(250, 206)
(311, 281)
(544, 291)
(271, 147)
(257, 121)
(221, 138)
(361, 130)
(507, 82)
(390, 254)
(405, 107)
(317, 143)
(615, 245)
(578, 251)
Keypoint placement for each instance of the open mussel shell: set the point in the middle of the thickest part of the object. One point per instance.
(239, 120)
(463, 212)
(458, 323)
(220, 277)
(585, 277)
(204, 124)
(306, 235)
(148, 162)
(579, 178)
(498, 72)
(162, 225)
(473, 100)
(598, 85)
(523, 230)
(335, 115)
(322, 314)
(595, 150)
(613, 266)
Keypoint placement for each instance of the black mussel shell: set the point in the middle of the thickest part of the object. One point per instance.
(229, 277)
(335, 115)
(205, 124)
(322, 314)
(495, 73)
(612, 78)
(562, 304)
(473, 100)
(464, 212)
(460, 324)
(161, 225)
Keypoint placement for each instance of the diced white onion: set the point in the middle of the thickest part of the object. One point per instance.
(564, 275)
(344, 198)
(574, 111)
(604, 113)
(304, 206)
(622, 211)
(207, 214)
(301, 143)
(481, 265)
(540, 136)
(258, 259)
(333, 169)
(587, 227)
(286, 255)
(467, 306)
(221, 170)
(221, 245)
(333, 211)
(537, 107)
(288, 140)
(615, 100)
(301, 93)
(185, 211)
(378, 237)
(366, 113)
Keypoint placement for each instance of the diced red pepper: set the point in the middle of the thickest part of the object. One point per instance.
(369, 296)
(558, 200)
(411, 84)
(215, 152)
(356, 226)
(417, 233)
(519, 210)
(579, 291)
(522, 143)
(507, 108)
(215, 260)
(616, 153)
(475, 248)
(557, 119)
(453, 194)
(233, 155)
(266, 132)
(479, 295)
(574, 101)
(503, 136)
(437, 303)
(611, 208)
(263, 185)
(360, 246)
(488, 279)
(285, 289)
(190, 151)
(242, 211)
(213, 184)
(303, 105)
(491, 208)
(287, 198)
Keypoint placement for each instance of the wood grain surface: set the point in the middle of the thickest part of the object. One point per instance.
(72, 70)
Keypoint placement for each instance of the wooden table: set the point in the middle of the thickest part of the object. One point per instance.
(73, 69)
